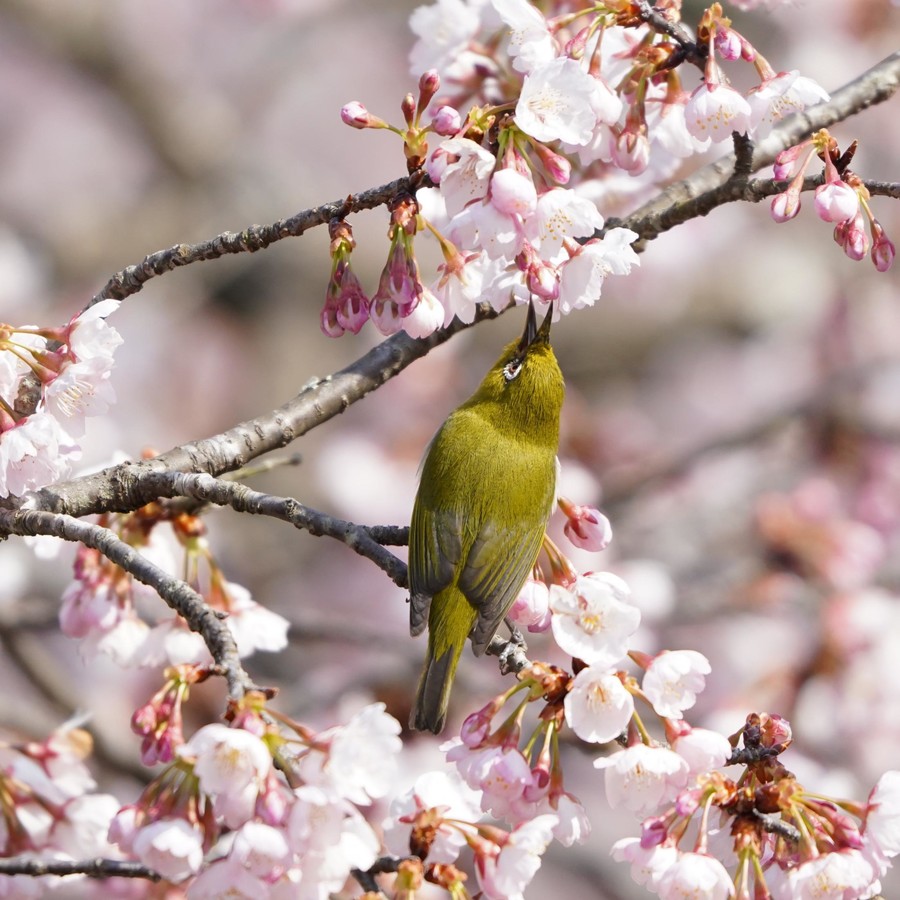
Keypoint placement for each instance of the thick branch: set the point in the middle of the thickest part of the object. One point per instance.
(119, 488)
(178, 595)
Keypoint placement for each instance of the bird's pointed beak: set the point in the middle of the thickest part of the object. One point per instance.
(532, 333)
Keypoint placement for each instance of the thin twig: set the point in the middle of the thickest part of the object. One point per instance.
(93, 868)
(182, 598)
(242, 499)
(254, 237)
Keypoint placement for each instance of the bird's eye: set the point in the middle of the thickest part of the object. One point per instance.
(512, 368)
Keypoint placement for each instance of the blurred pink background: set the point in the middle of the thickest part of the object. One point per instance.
(744, 359)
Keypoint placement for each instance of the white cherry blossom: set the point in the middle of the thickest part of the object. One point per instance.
(695, 875)
(781, 96)
(231, 765)
(442, 790)
(673, 679)
(506, 875)
(555, 103)
(593, 619)
(714, 111)
(530, 41)
(171, 847)
(598, 706)
(641, 778)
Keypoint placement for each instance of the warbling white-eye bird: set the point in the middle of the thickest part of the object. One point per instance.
(485, 495)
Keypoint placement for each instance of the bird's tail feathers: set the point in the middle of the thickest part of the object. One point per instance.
(433, 695)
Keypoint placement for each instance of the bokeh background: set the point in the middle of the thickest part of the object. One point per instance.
(734, 406)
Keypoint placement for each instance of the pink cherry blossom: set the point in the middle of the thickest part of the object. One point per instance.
(836, 201)
(532, 606)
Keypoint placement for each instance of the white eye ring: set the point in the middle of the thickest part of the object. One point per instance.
(512, 369)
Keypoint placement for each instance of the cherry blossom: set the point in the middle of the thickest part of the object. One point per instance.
(504, 876)
(442, 791)
(530, 41)
(714, 111)
(172, 847)
(598, 706)
(594, 619)
(695, 875)
(673, 679)
(356, 761)
(555, 103)
(641, 778)
(231, 765)
(780, 96)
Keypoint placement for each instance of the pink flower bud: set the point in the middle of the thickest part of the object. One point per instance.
(653, 832)
(836, 201)
(631, 152)
(883, 250)
(513, 193)
(429, 85)
(385, 315)
(355, 115)
(532, 606)
(446, 121)
(328, 320)
(785, 205)
(586, 527)
(728, 43)
(558, 167)
(775, 731)
(851, 235)
(144, 720)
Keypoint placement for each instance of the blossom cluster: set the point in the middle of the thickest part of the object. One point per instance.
(51, 380)
(841, 199)
(706, 831)
(222, 820)
(593, 110)
(48, 807)
(114, 614)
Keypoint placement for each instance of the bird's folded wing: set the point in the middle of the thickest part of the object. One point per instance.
(495, 570)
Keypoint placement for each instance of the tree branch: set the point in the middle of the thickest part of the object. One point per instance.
(177, 594)
(254, 237)
(725, 181)
(118, 489)
(242, 499)
(93, 868)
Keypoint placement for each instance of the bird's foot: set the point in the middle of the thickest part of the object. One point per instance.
(512, 656)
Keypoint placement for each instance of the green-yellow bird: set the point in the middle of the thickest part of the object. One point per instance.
(485, 495)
